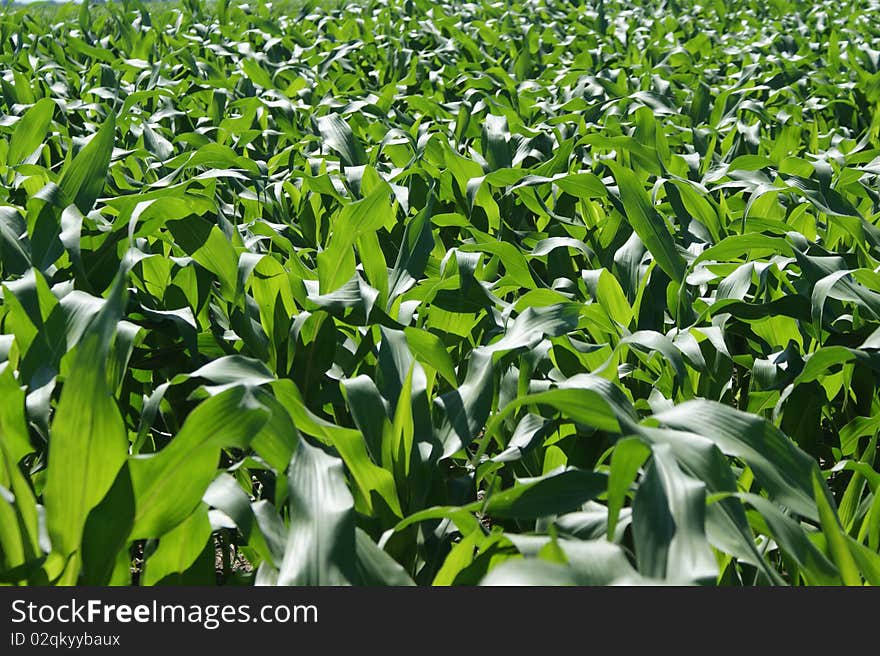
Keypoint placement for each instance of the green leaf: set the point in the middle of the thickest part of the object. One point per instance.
(349, 443)
(779, 466)
(414, 252)
(552, 494)
(321, 544)
(534, 324)
(336, 264)
(82, 179)
(376, 567)
(794, 539)
(585, 399)
(590, 563)
(647, 223)
(14, 247)
(835, 537)
(627, 458)
(106, 531)
(669, 523)
(179, 549)
(466, 409)
(338, 135)
(88, 443)
(30, 131)
(430, 351)
(168, 485)
(19, 523)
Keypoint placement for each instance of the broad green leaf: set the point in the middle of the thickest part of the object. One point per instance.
(375, 567)
(350, 444)
(628, 457)
(647, 223)
(552, 494)
(590, 563)
(321, 545)
(669, 523)
(336, 263)
(795, 540)
(835, 537)
(779, 466)
(88, 443)
(338, 136)
(82, 180)
(168, 485)
(179, 549)
(30, 131)
(19, 529)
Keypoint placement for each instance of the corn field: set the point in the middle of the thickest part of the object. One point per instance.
(399, 292)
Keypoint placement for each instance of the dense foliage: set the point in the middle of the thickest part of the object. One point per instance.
(436, 292)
